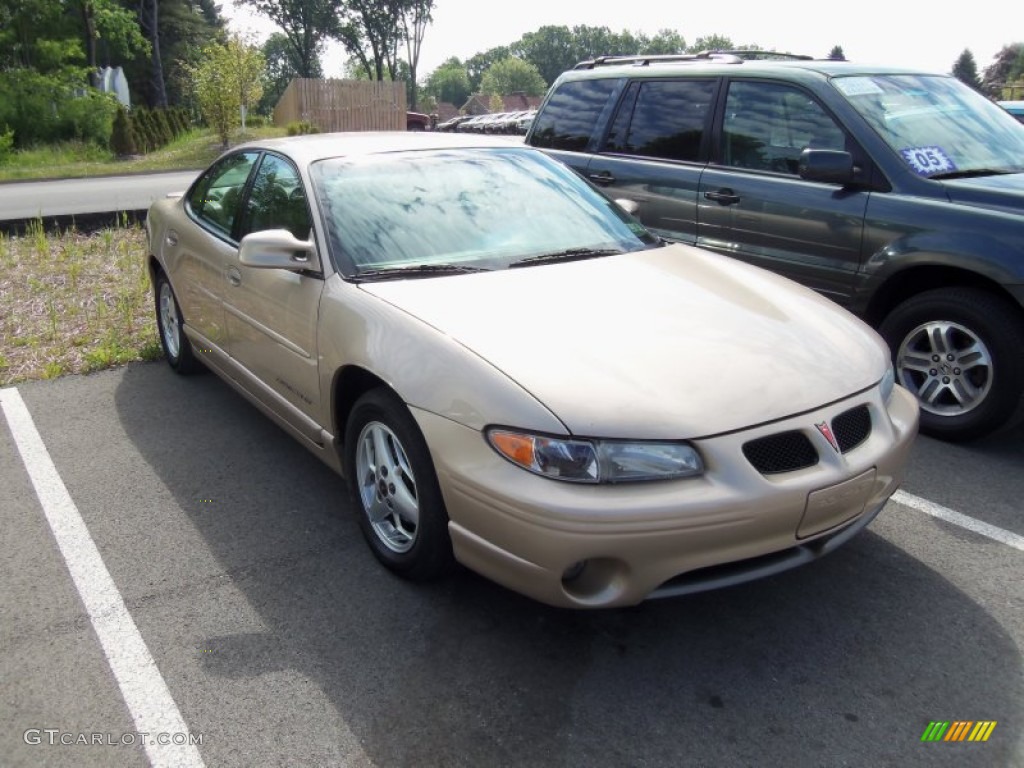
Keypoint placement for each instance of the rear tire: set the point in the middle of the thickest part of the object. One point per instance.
(394, 488)
(960, 351)
(177, 347)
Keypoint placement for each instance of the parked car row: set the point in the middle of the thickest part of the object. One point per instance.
(495, 122)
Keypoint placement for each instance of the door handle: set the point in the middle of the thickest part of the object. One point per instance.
(603, 178)
(723, 197)
(234, 277)
(172, 238)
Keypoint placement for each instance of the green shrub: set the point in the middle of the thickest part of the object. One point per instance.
(44, 109)
(302, 128)
(163, 126)
(6, 144)
(122, 139)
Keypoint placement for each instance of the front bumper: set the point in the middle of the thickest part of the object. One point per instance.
(642, 540)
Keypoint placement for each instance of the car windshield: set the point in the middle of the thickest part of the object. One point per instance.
(465, 210)
(939, 126)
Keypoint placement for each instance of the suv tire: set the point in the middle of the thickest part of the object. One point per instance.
(960, 351)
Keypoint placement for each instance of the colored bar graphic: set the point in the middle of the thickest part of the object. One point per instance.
(935, 730)
(958, 730)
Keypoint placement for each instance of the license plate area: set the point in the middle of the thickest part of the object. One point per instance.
(828, 507)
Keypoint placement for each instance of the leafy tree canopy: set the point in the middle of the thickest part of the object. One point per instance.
(512, 75)
(449, 82)
(1007, 67)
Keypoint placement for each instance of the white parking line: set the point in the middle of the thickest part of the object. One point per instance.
(977, 526)
(143, 688)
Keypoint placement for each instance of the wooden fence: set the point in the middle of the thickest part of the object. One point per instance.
(343, 105)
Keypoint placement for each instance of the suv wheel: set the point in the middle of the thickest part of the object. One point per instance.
(961, 353)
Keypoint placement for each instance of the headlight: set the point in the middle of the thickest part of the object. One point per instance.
(596, 461)
(887, 384)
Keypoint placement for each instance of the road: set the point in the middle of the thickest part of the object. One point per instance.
(66, 197)
(282, 642)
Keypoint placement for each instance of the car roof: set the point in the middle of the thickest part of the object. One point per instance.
(725, 63)
(1012, 106)
(319, 146)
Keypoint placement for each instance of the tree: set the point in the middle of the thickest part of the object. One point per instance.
(966, 71)
(512, 75)
(414, 18)
(712, 43)
(478, 64)
(370, 32)
(248, 67)
(306, 24)
(665, 42)
(217, 87)
(178, 33)
(449, 82)
(496, 103)
(1007, 67)
(282, 66)
(836, 54)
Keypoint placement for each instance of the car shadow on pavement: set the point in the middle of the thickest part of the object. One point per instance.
(844, 661)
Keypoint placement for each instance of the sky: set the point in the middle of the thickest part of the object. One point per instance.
(869, 31)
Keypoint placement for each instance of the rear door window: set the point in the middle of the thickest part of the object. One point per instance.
(572, 114)
(664, 119)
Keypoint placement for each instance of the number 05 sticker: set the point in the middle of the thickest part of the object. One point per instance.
(928, 160)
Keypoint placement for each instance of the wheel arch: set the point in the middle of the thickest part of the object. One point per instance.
(918, 279)
(351, 382)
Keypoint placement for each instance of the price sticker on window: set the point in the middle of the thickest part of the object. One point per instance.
(928, 161)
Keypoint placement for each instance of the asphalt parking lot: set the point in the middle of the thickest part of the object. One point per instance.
(271, 636)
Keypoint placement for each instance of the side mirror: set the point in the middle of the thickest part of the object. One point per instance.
(278, 249)
(828, 165)
(629, 206)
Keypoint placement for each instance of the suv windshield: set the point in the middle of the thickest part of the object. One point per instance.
(939, 126)
(436, 212)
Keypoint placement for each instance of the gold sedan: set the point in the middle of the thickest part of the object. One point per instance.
(512, 373)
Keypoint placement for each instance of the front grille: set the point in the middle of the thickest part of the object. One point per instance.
(783, 452)
(852, 427)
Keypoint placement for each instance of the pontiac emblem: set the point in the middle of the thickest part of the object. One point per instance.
(826, 432)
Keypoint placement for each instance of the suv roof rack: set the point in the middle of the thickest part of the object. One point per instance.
(643, 61)
(725, 57)
(754, 54)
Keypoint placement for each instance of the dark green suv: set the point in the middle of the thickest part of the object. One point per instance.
(898, 194)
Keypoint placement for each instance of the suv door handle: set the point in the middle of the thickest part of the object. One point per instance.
(603, 178)
(723, 196)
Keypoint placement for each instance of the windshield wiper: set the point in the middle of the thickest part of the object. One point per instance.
(416, 270)
(969, 174)
(569, 254)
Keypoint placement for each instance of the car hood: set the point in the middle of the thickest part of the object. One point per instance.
(1005, 191)
(671, 342)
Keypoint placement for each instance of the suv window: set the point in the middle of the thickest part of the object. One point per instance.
(767, 125)
(571, 114)
(277, 199)
(215, 198)
(663, 118)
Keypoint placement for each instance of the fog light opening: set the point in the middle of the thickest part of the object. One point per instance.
(574, 571)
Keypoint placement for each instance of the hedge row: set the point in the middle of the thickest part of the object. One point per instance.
(144, 130)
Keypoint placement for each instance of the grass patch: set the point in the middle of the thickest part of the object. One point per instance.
(193, 150)
(74, 303)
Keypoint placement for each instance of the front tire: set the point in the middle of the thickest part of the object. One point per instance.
(961, 353)
(177, 347)
(394, 488)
